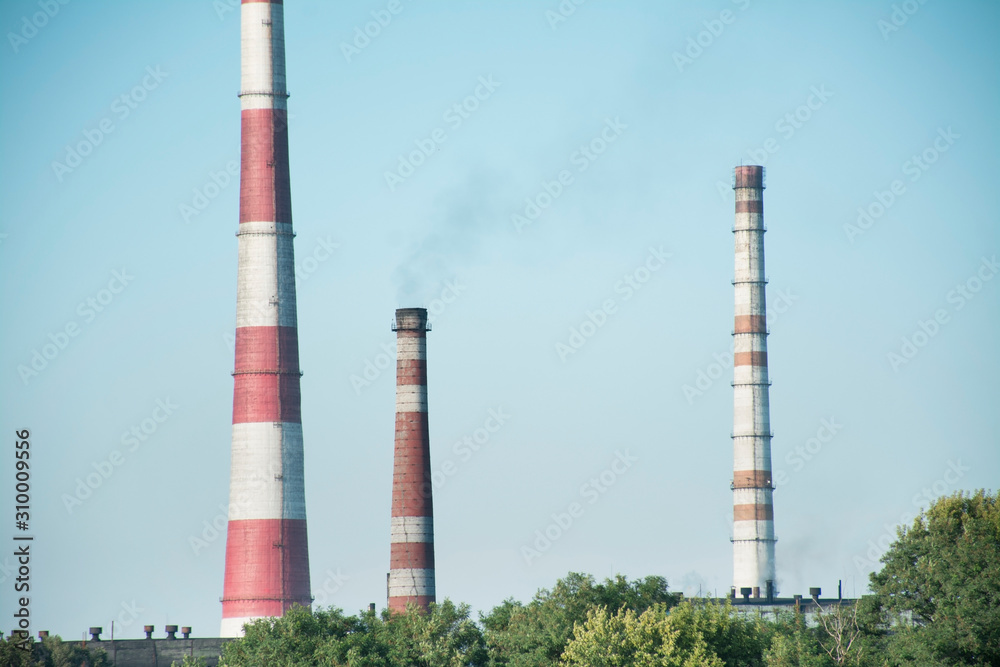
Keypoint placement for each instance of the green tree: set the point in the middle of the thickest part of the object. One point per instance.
(651, 638)
(13, 653)
(50, 652)
(188, 661)
(939, 587)
(533, 634)
(694, 633)
(57, 653)
(738, 641)
(292, 639)
(794, 644)
(444, 636)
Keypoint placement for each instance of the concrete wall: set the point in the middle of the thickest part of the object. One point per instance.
(159, 652)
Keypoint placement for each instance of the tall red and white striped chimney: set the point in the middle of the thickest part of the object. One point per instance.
(267, 561)
(411, 561)
(753, 513)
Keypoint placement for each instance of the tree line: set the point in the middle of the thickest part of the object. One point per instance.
(934, 602)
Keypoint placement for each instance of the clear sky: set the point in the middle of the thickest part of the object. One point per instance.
(837, 105)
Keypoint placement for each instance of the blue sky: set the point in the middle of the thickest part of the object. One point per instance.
(651, 384)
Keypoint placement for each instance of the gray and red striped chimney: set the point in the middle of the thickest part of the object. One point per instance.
(267, 560)
(753, 513)
(411, 561)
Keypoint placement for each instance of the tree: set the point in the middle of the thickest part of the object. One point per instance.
(292, 639)
(738, 641)
(840, 623)
(940, 584)
(188, 661)
(692, 634)
(14, 654)
(444, 636)
(797, 648)
(536, 634)
(50, 652)
(644, 640)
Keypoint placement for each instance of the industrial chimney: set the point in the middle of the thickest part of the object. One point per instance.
(411, 566)
(753, 513)
(267, 562)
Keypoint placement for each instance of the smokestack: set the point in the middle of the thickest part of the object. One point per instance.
(753, 514)
(411, 568)
(267, 563)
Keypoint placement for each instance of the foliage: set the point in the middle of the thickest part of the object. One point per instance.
(13, 653)
(739, 642)
(693, 634)
(442, 637)
(651, 638)
(51, 652)
(189, 662)
(537, 633)
(794, 644)
(939, 589)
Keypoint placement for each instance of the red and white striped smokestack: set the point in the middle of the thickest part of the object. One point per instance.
(267, 562)
(753, 513)
(411, 562)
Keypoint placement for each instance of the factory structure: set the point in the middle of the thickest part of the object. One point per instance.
(753, 511)
(267, 559)
(411, 557)
(267, 556)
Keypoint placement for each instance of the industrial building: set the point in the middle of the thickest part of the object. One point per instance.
(753, 511)
(267, 561)
(411, 561)
(267, 557)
